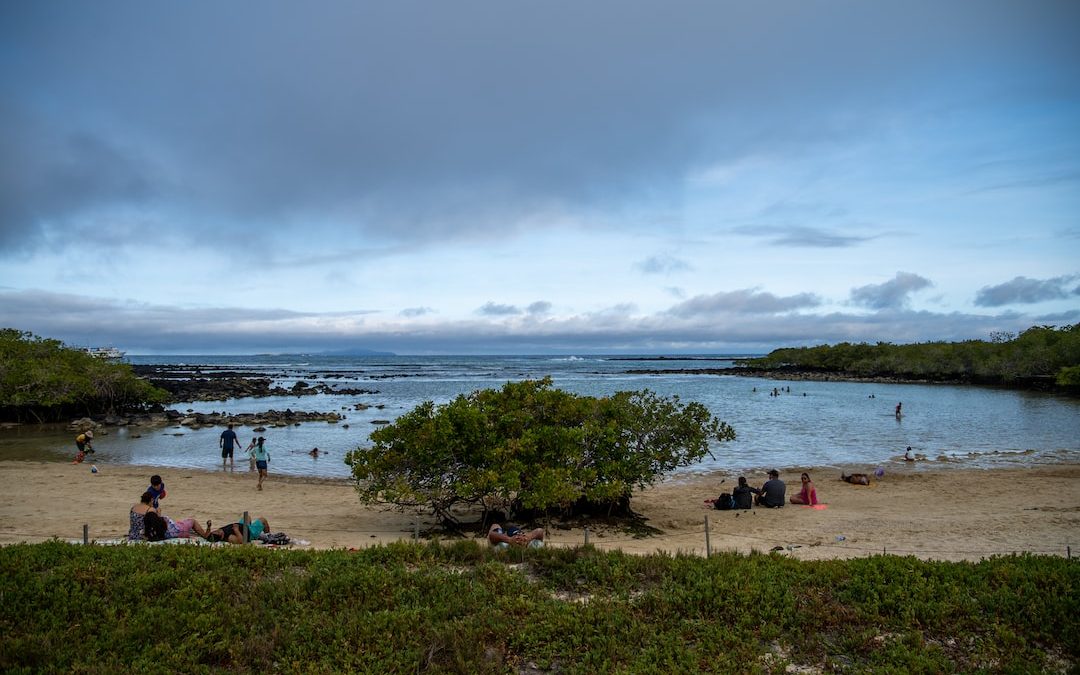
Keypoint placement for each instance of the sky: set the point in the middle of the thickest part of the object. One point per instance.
(481, 177)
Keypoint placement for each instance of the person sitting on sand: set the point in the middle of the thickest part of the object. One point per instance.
(137, 517)
(771, 494)
(743, 495)
(514, 535)
(808, 495)
(233, 533)
(856, 478)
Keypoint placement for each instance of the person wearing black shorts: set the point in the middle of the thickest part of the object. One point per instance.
(227, 442)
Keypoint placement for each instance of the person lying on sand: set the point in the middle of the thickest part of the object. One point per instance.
(513, 535)
(233, 533)
(856, 478)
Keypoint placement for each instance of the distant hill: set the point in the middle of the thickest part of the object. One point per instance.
(355, 352)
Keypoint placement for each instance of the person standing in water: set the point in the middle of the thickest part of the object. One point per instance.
(898, 413)
(262, 459)
(227, 442)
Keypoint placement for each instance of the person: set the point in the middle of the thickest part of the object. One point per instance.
(743, 494)
(262, 459)
(898, 406)
(771, 494)
(250, 450)
(137, 517)
(808, 495)
(855, 478)
(159, 527)
(83, 446)
(157, 489)
(226, 442)
(908, 457)
(314, 452)
(515, 536)
(233, 533)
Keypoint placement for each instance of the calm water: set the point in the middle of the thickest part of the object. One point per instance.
(816, 424)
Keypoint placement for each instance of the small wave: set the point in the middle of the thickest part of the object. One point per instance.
(568, 358)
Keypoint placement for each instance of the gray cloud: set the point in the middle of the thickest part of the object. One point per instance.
(745, 301)
(413, 312)
(139, 328)
(893, 294)
(495, 309)
(662, 264)
(539, 307)
(801, 237)
(1025, 291)
(462, 120)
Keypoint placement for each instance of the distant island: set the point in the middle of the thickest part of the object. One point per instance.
(352, 351)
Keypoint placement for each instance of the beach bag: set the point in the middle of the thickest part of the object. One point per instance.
(274, 538)
(724, 502)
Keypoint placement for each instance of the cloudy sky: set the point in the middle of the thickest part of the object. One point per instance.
(537, 177)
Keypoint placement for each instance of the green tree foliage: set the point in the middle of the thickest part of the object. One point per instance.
(528, 446)
(44, 380)
(1039, 353)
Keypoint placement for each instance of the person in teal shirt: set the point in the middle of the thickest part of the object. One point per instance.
(262, 459)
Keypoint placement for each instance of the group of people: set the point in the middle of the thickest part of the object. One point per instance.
(146, 522)
(772, 493)
(258, 455)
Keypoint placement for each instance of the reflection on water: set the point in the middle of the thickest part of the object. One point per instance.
(816, 424)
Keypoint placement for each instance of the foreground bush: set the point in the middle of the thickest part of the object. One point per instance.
(463, 608)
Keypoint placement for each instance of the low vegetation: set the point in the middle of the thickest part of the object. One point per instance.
(43, 380)
(467, 608)
(1040, 355)
(528, 448)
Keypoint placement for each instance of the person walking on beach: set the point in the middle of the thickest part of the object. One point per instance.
(227, 441)
(262, 459)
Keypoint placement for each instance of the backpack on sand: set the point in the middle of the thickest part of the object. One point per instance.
(724, 502)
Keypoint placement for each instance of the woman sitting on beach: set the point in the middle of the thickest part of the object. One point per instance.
(137, 517)
(808, 495)
(233, 533)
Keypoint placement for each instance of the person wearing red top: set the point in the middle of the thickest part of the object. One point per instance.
(808, 494)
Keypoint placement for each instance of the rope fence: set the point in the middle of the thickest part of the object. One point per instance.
(708, 533)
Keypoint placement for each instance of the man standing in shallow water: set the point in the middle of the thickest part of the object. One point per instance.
(227, 442)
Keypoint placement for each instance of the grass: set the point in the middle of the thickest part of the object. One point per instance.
(462, 607)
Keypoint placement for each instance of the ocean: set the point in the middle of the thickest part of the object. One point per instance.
(809, 424)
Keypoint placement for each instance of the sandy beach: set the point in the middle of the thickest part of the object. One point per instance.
(947, 514)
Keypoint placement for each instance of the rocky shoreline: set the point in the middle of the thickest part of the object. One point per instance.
(187, 383)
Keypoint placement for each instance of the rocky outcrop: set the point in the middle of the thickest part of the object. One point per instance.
(187, 383)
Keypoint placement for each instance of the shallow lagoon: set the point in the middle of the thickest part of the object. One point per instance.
(815, 424)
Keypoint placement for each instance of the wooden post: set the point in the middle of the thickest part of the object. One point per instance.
(85, 534)
(586, 536)
(1068, 553)
(708, 545)
(246, 527)
(416, 530)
